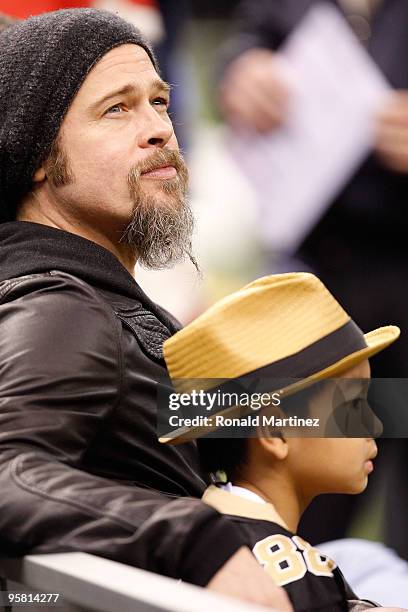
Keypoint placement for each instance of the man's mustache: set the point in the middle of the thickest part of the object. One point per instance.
(159, 159)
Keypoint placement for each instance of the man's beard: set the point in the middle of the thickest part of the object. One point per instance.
(160, 230)
(161, 227)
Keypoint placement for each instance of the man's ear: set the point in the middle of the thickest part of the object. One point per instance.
(275, 446)
(39, 175)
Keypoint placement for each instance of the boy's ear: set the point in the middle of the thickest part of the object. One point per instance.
(275, 446)
(39, 175)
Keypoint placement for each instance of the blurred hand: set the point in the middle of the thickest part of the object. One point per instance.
(392, 133)
(253, 91)
(242, 577)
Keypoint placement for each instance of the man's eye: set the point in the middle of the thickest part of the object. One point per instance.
(115, 109)
(161, 102)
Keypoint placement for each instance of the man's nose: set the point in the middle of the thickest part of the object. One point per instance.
(156, 131)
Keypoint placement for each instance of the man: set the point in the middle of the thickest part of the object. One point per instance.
(90, 181)
(364, 229)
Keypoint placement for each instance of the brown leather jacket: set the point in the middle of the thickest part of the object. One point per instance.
(80, 465)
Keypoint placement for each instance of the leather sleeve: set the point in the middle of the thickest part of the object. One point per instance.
(60, 375)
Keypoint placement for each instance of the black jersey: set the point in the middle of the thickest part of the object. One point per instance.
(312, 580)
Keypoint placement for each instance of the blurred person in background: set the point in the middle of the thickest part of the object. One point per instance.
(364, 230)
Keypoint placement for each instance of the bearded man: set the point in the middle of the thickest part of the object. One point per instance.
(91, 180)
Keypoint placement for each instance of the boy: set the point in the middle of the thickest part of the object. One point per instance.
(278, 327)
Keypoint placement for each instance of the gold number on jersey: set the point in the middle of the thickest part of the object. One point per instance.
(283, 561)
(317, 564)
(278, 555)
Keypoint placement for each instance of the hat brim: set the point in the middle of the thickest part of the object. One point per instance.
(376, 340)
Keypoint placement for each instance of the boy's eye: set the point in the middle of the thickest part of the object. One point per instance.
(354, 405)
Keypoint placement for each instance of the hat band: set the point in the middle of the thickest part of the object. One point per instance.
(316, 357)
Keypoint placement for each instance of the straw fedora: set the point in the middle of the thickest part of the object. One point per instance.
(284, 325)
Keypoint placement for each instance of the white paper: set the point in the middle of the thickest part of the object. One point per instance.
(336, 92)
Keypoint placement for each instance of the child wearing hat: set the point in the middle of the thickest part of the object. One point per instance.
(283, 326)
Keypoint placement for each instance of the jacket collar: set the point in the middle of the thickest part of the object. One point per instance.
(31, 248)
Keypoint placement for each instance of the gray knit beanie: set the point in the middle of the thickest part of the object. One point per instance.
(43, 62)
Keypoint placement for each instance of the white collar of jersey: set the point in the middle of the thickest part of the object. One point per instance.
(242, 492)
(230, 503)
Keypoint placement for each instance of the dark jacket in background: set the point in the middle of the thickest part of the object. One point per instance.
(81, 468)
